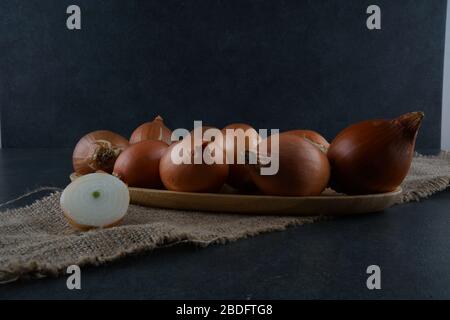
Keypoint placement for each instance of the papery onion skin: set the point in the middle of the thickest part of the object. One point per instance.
(191, 177)
(154, 130)
(97, 150)
(239, 175)
(303, 169)
(138, 165)
(373, 156)
(311, 135)
(88, 190)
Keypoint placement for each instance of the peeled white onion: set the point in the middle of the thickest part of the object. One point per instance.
(96, 200)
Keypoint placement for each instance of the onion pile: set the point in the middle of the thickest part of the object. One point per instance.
(154, 130)
(97, 150)
(96, 200)
(374, 156)
(303, 168)
(368, 157)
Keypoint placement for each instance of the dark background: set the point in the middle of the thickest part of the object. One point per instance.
(284, 64)
(274, 64)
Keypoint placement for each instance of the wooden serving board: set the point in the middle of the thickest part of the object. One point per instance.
(328, 203)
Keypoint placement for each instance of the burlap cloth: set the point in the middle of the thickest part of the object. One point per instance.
(36, 240)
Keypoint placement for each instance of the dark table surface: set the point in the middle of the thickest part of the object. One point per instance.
(326, 259)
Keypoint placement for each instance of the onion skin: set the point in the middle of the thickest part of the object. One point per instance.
(303, 169)
(138, 165)
(191, 177)
(97, 150)
(374, 156)
(311, 135)
(239, 175)
(154, 130)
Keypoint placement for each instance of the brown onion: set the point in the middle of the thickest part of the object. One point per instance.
(191, 177)
(97, 150)
(138, 165)
(311, 135)
(154, 130)
(239, 176)
(303, 168)
(374, 156)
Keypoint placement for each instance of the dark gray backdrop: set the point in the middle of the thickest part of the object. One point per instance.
(274, 64)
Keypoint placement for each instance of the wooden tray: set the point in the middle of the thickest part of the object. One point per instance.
(325, 204)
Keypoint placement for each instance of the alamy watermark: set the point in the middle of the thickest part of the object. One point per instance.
(205, 145)
(374, 280)
(73, 22)
(373, 22)
(73, 282)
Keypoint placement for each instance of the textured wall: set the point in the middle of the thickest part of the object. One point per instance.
(275, 64)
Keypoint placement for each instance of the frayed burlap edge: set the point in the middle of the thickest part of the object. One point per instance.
(32, 270)
(428, 186)
(25, 269)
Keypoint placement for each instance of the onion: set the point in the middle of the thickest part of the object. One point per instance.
(97, 150)
(239, 175)
(191, 177)
(154, 130)
(315, 137)
(373, 156)
(303, 168)
(96, 200)
(138, 165)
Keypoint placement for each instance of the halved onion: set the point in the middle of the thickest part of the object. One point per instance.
(96, 200)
